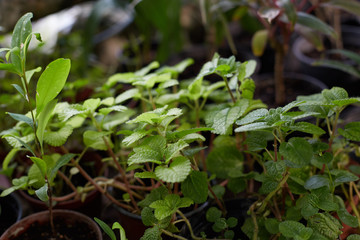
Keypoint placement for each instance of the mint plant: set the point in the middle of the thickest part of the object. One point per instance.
(110, 231)
(303, 178)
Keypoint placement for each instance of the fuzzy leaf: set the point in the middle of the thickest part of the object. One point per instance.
(212, 214)
(351, 131)
(223, 159)
(316, 181)
(51, 82)
(253, 116)
(59, 137)
(224, 120)
(326, 225)
(195, 89)
(150, 150)
(147, 217)
(347, 218)
(297, 152)
(95, 139)
(134, 137)
(174, 149)
(296, 230)
(307, 128)
(272, 225)
(195, 187)
(177, 171)
(152, 234)
(168, 206)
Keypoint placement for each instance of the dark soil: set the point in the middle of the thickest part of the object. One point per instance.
(64, 231)
(9, 213)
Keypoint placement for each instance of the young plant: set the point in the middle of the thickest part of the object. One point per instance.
(49, 85)
(304, 179)
(110, 231)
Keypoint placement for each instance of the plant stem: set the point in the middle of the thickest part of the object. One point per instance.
(188, 225)
(49, 193)
(270, 195)
(229, 90)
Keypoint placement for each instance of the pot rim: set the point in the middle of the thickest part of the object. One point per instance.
(18, 228)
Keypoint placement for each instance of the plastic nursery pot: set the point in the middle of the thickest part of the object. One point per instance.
(305, 55)
(132, 223)
(295, 85)
(11, 211)
(68, 225)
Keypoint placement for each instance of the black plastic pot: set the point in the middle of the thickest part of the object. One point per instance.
(303, 51)
(295, 84)
(65, 221)
(11, 211)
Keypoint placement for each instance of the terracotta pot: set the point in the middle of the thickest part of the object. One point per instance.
(82, 226)
(11, 211)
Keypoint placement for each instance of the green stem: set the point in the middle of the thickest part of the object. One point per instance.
(188, 225)
(270, 195)
(229, 90)
(151, 99)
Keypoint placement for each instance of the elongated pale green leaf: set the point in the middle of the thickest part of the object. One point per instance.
(22, 118)
(9, 157)
(178, 170)
(117, 225)
(338, 65)
(30, 73)
(258, 42)
(105, 228)
(42, 193)
(63, 160)
(315, 23)
(43, 120)
(19, 89)
(195, 187)
(51, 82)
(351, 131)
(183, 133)
(145, 175)
(41, 164)
(351, 6)
(21, 142)
(22, 31)
(9, 67)
(297, 152)
(129, 94)
(253, 127)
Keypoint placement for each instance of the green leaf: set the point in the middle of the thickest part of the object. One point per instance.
(31, 72)
(225, 118)
(156, 194)
(174, 149)
(150, 150)
(347, 218)
(232, 222)
(43, 120)
(223, 159)
(22, 30)
(335, 93)
(212, 214)
(307, 128)
(345, 67)
(326, 225)
(351, 131)
(63, 160)
(117, 225)
(195, 89)
(219, 225)
(269, 13)
(347, 5)
(51, 82)
(353, 237)
(9, 157)
(297, 152)
(128, 94)
(317, 181)
(253, 127)
(41, 164)
(92, 104)
(168, 206)
(343, 176)
(253, 116)
(136, 136)
(22, 118)
(177, 171)
(315, 23)
(18, 88)
(105, 228)
(147, 217)
(59, 137)
(296, 230)
(95, 139)
(152, 234)
(21, 142)
(258, 42)
(195, 187)
(272, 225)
(42, 193)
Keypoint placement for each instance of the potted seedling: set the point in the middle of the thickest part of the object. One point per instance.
(308, 189)
(44, 167)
